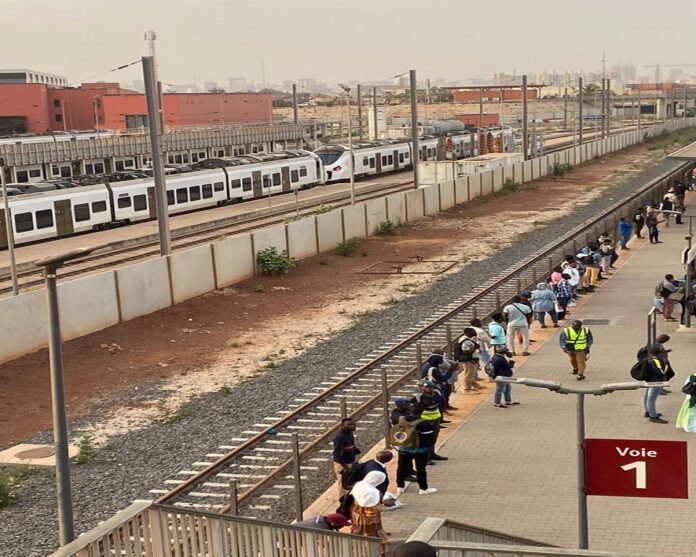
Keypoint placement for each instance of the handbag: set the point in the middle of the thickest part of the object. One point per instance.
(689, 388)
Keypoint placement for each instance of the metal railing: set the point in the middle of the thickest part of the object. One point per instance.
(146, 530)
(652, 326)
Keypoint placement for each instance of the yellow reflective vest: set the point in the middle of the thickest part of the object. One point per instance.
(577, 338)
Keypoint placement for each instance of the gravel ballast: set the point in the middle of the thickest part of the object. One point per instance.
(134, 463)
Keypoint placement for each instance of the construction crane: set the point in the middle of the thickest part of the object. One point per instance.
(658, 75)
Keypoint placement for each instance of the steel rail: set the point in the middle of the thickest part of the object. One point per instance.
(487, 289)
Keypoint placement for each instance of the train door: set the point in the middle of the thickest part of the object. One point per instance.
(396, 159)
(378, 161)
(3, 230)
(152, 202)
(64, 221)
(256, 183)
(285, 174)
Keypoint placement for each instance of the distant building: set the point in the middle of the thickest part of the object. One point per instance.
(210, 86)
(237, 84)
(31, 76)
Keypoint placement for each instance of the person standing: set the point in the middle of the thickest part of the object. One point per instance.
(418, 437)
(665, 289)
(543, 302)
(639, 221)
(502, 367)
(667, 206)
(651, 223)
(686, 419)
(624, 232)
(469, 359)
(564, 293)
(429, 404)
(483, 339)
(496, 330)
(366, 510)
(379, 464)
(606, 250)
(656, 373)
(517, 313)
(345, 452)
(591, 271)
(576, 341)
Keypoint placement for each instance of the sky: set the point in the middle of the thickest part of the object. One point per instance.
(341, 40)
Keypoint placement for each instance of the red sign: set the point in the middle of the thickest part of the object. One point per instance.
(636, 468)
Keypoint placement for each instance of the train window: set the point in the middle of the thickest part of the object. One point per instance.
(195, 193)
(236, 184)
(372, 162)
(384, 160)
(140, 202)
(170, 197)
(207, 191)
(98, 206)
(303, 171)
(119, 166)
(266, 181)
(366, 161)
(246, 184)
(81, 212)
(401, 157)
(24, 222)
(178, 159)
(124, 202)
(22, 176)
(219, 186)
(294, 176)
(390, 159)
(182, 195)
(407, 155)
(276, 179)
(34, 173)
(44, 218)
(170, 159)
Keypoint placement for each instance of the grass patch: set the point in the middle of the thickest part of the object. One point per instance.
(677, 138)
(387, 228)
(350, 247)
(85, 449)
(561, 169)
(167, 416)
(272, 262)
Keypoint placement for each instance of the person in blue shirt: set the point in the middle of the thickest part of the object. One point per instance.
(625, 232)
(496, 330)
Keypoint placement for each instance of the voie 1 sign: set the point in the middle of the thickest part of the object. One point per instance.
(636, 468)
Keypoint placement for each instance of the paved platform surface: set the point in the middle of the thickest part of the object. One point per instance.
(514, 470)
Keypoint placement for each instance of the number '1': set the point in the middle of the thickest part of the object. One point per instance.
(641, 476)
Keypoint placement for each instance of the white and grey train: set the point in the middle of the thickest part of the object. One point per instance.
(377, 157)
(63, 212)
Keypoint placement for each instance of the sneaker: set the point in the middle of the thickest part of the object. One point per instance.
(574, 372)
(500, 405)
(648, 415)
(427, 491)
(556, 325)
(658, 420)
(445, 421)
(512, 403)
(544, 326)
(400, 490)
(525, 353)
(580, 377)
(439, 457)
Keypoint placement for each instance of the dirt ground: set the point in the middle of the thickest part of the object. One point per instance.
(216, 340)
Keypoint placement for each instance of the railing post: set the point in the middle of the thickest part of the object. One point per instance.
(344, 408)
(497, 300)
(385, 410)
(297, 473)
(158, 534)
(550, 265)
(234, 508)
(448, 347)
(518, 284)
(419, 355)
(534, 276)
(474, 312)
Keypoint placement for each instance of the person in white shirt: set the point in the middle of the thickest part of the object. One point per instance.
(517, 313)
(484, 342)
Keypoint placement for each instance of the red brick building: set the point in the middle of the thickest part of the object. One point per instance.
(41, 108)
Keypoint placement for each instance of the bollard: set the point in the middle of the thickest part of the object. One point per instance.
(385, 410)
(448, 348)
(344, 408)
(234, 498)
(419, 355)
(297, 473)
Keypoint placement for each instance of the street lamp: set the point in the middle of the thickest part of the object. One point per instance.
(350, 144)
(583, 535)
(60, 426)
(10, 231)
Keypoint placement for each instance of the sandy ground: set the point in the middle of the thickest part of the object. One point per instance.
(143, 370)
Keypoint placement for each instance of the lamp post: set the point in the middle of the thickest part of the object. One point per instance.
(346, 89)
(60, 425)
(583, 533)
(10, 232)
(415, 155)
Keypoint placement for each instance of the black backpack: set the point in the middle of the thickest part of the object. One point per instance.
(642, 353)
(353, 474)
(641, 370)
(462, 355)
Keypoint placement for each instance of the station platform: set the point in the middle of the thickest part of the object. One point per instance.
(514, 470)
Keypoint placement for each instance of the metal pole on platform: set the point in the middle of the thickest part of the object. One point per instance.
(155, 130)
(374, 111)
(608, 108)
(687, 292)
(583, 534)
(360, 116)
(295, 115)
(351, 162)
(415, 155)
(580, 115)
(385, 410)
(525, 118)
(10, 231)
(297, 472)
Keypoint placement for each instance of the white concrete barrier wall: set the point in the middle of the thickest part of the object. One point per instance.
(498, 179)
(192, 273)
(475, 186)
(376, 214)
(302, 238)
(354, 221)
(527, 171)
(396, 208)
(431, 199)
(23, 324)
(461, 190)
(517, 173)
(414, 204)
(234, 260)
(273, 236)
(329, 230)
(143, 288)
(446, 195)
(486, 183)
(88, 304)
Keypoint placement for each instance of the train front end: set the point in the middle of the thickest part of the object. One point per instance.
(336, 162)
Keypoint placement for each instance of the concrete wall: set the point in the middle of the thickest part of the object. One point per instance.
(431, 199)
(461, 190)
(414, 204)
(273, 236)
(192, 273)
(486, 183)
(88, 304)
(143, 288)
(302, 238)
(354, 221)
(23, 326)
(376, 214)
(396, 208)
(446, 195)
(234, 259)
(329, 230)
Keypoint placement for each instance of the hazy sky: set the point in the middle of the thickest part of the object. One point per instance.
(342, 39)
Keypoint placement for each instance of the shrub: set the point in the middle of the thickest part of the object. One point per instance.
(387, 228)
(7, 498)
(272, 262)
(349, 247)
(561, 169)
(85, 449)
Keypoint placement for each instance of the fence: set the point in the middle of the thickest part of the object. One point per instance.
(99, 301)
(145, 530)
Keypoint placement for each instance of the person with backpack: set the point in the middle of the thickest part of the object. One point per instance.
(664, 289)
(652, 370)
(517, 313)
(501, 366)
(667, 206)
(429, 404)
(564, 293)
(443, 372)
(345, 453)
(651, 223)
(686, 418)
(465, 350)
(639, 221)
(413, 439)
(543, 302)
(576, 341)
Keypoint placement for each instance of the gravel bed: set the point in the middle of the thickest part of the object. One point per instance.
(136, 462)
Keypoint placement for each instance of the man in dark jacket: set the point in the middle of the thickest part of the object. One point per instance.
(425, 431)
(639, 221)
(502, 367)
(345, 451)
(656, 374)
(333, 522)
(379, 464)
(430, 403)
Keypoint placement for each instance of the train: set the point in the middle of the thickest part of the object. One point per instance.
(63, 212)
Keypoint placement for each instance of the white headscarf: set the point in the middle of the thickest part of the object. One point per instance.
(365, 491)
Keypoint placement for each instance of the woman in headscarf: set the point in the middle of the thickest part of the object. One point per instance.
(686, 418)
(366, 512)
(543, 302)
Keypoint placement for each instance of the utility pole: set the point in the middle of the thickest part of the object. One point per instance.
(565, 109)
(156, 151)
(604, 115)
(608, 107)
(360, 117)
(295, 115)
(525, 123)
(150, 38)
(10, 231)
(640, 110)
(580, 116)
(415, 150)
(374, 111)
(481, 107)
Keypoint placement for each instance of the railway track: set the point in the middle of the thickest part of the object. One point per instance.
(260, 462)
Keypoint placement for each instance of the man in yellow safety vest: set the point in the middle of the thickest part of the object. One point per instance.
(576, 341)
